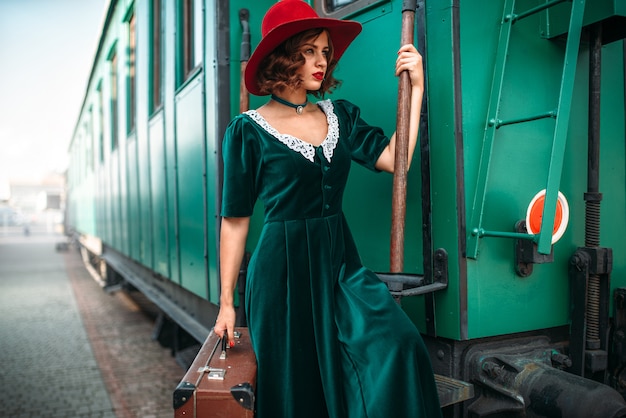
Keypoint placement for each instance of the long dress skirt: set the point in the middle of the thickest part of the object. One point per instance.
(330, 339)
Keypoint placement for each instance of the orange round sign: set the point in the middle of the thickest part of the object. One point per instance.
(534, 215)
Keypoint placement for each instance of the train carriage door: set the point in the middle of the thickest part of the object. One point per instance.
(368, 80)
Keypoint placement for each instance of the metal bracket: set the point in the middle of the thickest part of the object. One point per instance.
(401, 284)
(526, 253)
(213, 373)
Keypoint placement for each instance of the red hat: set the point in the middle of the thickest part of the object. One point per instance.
(287, 18)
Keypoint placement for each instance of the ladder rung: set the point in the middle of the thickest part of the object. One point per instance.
(498, 123)
(515, 17)
(479, 232)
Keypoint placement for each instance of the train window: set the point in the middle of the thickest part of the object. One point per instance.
(157, 53)
(338, 4)
(343, 8)
(132, 53)
(113, 109)
(100, 134)
(89, 151)
(198, 27)
(190, 41)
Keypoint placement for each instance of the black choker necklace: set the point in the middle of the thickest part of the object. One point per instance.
(299, 107)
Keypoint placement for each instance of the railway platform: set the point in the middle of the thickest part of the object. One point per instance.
(69, 349)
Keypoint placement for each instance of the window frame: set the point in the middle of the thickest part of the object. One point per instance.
(190, 39)
(322, 9)
(131, 77)
(100, 111)
(156, 56)
(112, 59)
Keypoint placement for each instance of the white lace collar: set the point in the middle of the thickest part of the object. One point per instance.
(296, 144)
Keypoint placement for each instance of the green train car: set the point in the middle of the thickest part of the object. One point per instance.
(524, 115)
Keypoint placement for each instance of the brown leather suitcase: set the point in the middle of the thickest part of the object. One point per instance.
(216, 385)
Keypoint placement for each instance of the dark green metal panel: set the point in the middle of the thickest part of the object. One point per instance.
(105, 201)
(612, 160)
(144, 222)
(124, 237)
(114, 202)
(217, 114)
(143, 99)
(99, 202)
(169, 88)
(190, 160)
(158, 196)
(133, 198)
(442, 99)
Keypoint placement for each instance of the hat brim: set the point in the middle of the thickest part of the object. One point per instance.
(342, 33)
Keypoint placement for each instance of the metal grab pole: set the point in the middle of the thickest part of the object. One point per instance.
(244, 96)
(398, 203)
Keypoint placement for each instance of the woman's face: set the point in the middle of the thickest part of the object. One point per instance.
(315, 52)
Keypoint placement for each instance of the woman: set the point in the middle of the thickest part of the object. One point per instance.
(329, 339)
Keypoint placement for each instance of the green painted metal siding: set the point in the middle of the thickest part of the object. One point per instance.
(158, 195)
(169, 86)
(143, 220)
(440, 67)
(499, 301)
(191, 172)
(133, 199)
(214, 107)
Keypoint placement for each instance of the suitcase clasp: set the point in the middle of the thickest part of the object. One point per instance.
(213, 373)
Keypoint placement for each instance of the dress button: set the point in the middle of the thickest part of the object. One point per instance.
(326, 206)
(326, 168)
(327, 187)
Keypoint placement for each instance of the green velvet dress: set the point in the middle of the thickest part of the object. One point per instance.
(330, 340)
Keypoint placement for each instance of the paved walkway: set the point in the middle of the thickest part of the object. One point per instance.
(67, 348)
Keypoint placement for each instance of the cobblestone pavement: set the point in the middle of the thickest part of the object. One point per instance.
(67, 348)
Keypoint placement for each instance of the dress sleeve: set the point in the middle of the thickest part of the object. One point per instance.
(366, 142)
(240, 154)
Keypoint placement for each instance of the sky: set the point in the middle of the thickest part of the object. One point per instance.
(46, 51)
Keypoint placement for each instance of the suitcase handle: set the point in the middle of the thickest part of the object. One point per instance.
(224, 342)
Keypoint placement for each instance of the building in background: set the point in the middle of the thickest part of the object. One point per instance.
(34, 204)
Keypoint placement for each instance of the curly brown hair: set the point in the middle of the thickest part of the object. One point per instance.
(278, 70)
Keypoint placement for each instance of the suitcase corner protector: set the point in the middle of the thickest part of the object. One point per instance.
(244, 395)
(183, 392)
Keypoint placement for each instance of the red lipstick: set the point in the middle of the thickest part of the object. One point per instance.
(319, 76)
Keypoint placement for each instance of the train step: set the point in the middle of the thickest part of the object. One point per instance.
(453, 391)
